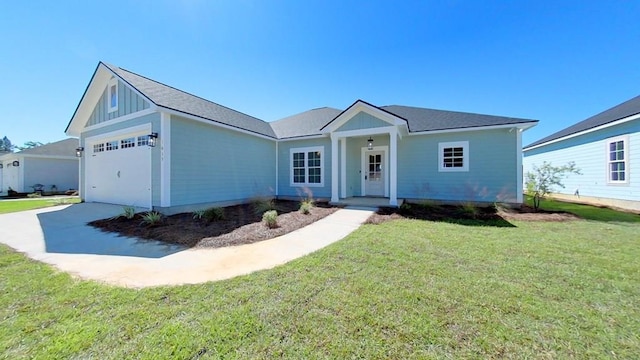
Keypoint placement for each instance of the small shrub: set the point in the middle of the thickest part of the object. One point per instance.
(151, 218)
(34, 195)
(306, 205)
(470, 210)
(405, 209)
(261, 204)
(198, 214)
(270, 218)
(213, 214)
(128, 212)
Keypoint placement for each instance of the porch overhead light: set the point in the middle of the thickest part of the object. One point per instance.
(370, 143)
(16, 163)
(153, 137)
(79, 151)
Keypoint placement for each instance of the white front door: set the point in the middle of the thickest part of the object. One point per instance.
(374, 175)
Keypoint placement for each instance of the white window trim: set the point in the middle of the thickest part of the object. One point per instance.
(306, 150)
(625, 144)
(465, 156)
(112, 82)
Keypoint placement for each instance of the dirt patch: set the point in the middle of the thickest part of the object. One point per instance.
(242, 224)
(467, 214)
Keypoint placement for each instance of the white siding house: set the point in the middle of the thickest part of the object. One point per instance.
(606, 148)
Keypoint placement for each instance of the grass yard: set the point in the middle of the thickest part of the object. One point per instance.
(402, 289)
(8, 206)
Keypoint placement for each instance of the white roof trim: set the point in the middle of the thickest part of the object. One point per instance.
(361, 106)
(604, 126)
(213, 122)
(94, 91)
(520, 126)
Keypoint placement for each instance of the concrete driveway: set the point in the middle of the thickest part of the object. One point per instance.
(59, 236)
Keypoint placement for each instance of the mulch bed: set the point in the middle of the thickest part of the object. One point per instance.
(242, 224)
(461, 214)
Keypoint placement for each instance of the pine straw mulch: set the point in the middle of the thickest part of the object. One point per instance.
(242, 224)
(490, 216)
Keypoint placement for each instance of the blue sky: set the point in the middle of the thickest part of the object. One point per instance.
(555, 61)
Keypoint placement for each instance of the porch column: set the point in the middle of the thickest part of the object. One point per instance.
(334, 168)
(393, 167)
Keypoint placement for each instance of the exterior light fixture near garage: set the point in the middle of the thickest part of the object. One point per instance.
(16, 163)
(153, 138)
(370, 143)
(1, 166)
(79, 151)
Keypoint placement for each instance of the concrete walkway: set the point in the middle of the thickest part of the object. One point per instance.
(59, 236)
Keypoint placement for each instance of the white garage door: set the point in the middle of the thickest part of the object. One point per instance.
(118, 170)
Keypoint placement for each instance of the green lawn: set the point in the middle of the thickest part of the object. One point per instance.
(586, 211)
(7, 206)
(403, 289)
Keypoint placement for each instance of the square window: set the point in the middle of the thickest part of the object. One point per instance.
(306, 166)
(453, 156)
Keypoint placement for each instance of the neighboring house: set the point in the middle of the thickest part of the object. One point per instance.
(47, 165)
(606, 148)
(150, 145)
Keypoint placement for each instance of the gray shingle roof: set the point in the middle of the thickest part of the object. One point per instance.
(66, 147)
(172, 98)
(422, 119)
(618, 112)
(307, 123)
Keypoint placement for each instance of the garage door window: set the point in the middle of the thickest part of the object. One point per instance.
(127, 143)
(98, 148)
(143, 140)
(112, 145)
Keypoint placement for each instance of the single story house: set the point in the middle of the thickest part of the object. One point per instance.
(54, 166)
(606, 148)
(147, 144)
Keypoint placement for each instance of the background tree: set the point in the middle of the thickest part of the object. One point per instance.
(542, 180)
(6, 145)
(29, 145)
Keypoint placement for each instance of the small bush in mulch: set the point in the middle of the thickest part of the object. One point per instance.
(241, 224)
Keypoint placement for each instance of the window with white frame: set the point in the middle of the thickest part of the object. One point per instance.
(112, 95)
(98, 147)
(306, 166)
(617, 159)
(112, 145)
(143, 140)
(453, 156)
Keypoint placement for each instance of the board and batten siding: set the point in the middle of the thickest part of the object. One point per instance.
(590, 154)
(211, 164)
(154, 120)
(284, 169)
(492, 174)
(128, 102)
(362, 120)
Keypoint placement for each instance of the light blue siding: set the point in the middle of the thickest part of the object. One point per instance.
(284, 169)
(590, 153)
(492, 172)
(63, 173)
(154, 120)
(363, 120)
(213, 164)
(128, 103)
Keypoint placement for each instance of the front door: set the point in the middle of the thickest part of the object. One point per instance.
(374, 174)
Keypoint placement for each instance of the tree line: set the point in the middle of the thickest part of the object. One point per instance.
(7, 146)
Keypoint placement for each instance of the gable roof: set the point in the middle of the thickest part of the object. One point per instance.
(422, 119)
(626, 109)
(307, 123)
(66, 147)
(173, 99)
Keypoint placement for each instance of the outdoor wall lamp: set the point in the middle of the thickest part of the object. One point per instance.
(370, 143)
(153, 137)
(16, 163)
(1, 166)
(79, 151)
